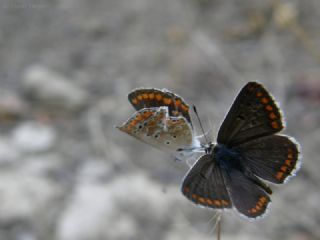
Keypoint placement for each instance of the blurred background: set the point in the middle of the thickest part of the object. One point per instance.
(66, 67)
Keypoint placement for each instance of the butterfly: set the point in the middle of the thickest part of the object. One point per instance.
(248, 152)
(162, 119)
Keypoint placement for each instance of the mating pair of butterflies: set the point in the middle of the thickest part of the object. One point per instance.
(230, 172)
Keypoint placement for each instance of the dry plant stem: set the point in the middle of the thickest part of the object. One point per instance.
(219, 228)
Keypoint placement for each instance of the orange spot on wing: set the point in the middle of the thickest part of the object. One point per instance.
(269, 108)
(217, 202)
(151, 96)
(224, 202)
(159, 97)
(186, 189)
(279, 175)
(284, 168)
(194, 196)
(290, 155)
(253, 210)
(275, 125)
(138, 117)
(134, 101)
(133, 122)
(167, 101)
(201, 200)
(272, 116)
(259, 206)
(259, 94)
(177, 102)
(263, 199)
(145, 96)
(147, 114)
(264, 100)
(288, 162)
(139, 97)
(209, 201)
(184, 108)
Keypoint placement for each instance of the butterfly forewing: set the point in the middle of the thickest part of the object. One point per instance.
(253, 114)
(273, 158)
(151, 97)
(204, 184)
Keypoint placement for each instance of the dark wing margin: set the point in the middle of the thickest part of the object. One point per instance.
(152, 97)
(204, 184)
(273, 158)
(253, 114)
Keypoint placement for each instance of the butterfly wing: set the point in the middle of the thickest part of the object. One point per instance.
(153, 126)
(151, 97)
(248, 198)
(253, 114)
(274, 158)
(204, 184)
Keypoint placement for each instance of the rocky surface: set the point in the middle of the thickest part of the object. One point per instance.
(66, 172)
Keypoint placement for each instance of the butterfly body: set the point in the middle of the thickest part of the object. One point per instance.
(226, 158)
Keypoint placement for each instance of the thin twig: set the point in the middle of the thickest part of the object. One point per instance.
(219, 227)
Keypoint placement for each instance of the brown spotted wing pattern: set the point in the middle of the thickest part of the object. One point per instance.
(204, 184)
(253, 114)
(154, 126)
(152, 97)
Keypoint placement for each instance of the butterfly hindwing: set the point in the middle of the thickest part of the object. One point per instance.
(151, 97)
(248, 198)
(253, 114)
(273, 158)
(204, 184)
(153, 126)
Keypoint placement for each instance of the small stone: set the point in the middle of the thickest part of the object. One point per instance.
(23, 196)
(8, 152)
(12, 107)
(53, 90)
(33, 137)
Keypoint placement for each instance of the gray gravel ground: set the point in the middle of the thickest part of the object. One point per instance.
(66, 67)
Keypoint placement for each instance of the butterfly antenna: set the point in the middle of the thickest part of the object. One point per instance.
(196, 112)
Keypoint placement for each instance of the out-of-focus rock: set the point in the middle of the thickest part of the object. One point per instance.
(53, 90)
(45, 165)
(96, 209)
(8, 152)
(23, 196)
(12, 107)
(33, 137)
